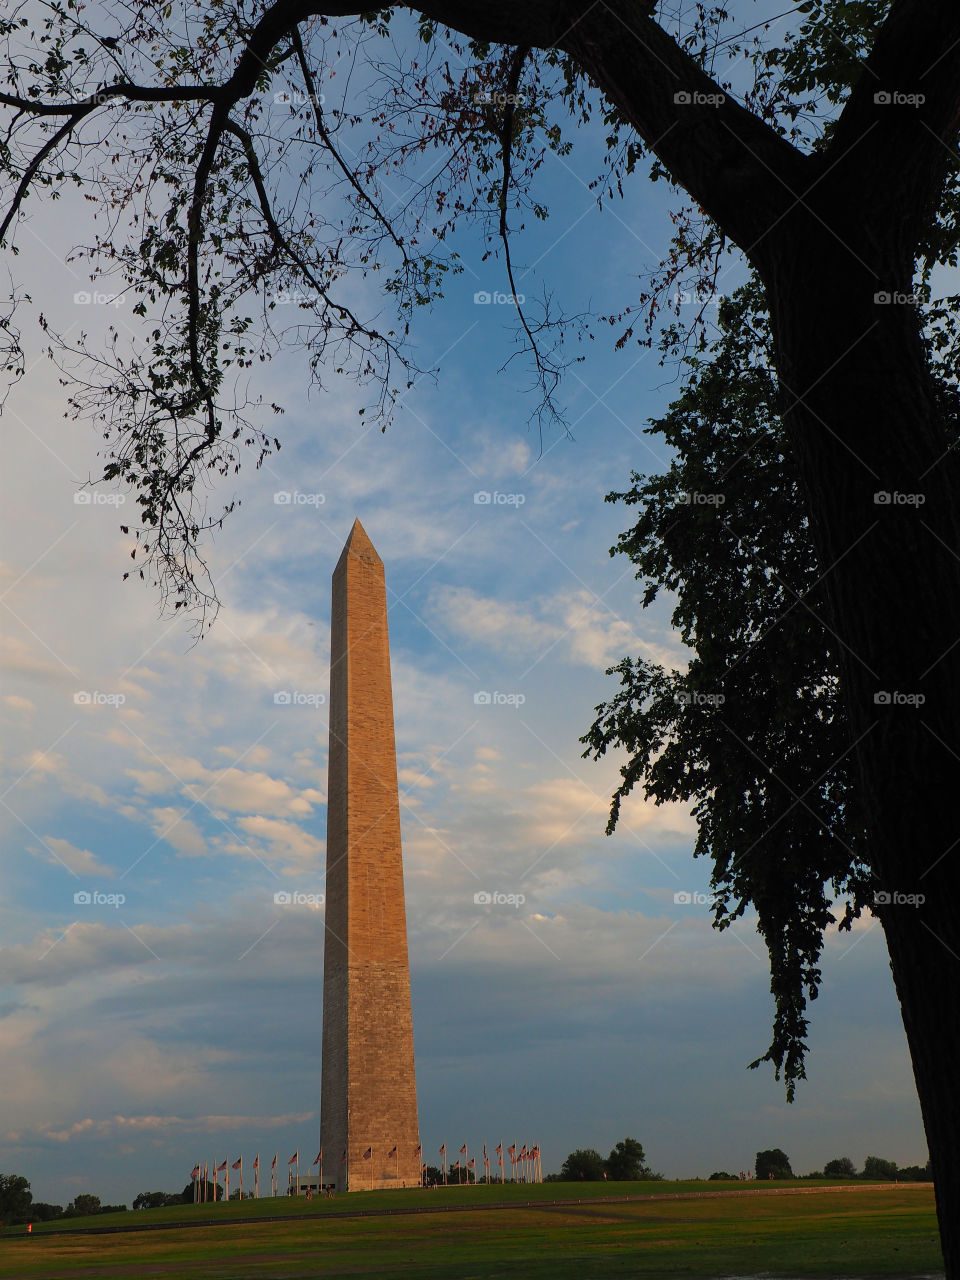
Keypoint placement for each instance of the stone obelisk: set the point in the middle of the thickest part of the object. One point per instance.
(369, 1131)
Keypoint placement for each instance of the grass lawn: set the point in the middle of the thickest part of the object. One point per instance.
(866, 1231)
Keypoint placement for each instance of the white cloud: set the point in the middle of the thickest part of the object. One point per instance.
(16, 703)
(80, 861)
(574, 625)
(173, 826)
(285, 842)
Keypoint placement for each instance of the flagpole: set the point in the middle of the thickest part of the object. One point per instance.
(226, 1179)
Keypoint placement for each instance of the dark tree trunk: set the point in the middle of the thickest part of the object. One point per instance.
(869, 432)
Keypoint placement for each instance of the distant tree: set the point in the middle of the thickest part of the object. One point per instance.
(773, 1164)
(722, 1176)
(157, 1199)
(112, 1208)
(82, 1206)
(41, 1212)
(15, 1197)
(915, 1173)
(877, 1167)
(583, 1165)
(842, 1167)
(625, 1163)
(434, 1174)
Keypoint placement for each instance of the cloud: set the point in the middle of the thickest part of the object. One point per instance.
(575, 625)
(173, 826)
(119, 1126)
(285, 842)
(20, 657)
(79, 861)
(16, 703)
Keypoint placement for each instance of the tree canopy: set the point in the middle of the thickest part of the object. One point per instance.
(773, 1163)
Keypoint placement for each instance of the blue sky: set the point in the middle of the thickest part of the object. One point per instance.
(184, 1021)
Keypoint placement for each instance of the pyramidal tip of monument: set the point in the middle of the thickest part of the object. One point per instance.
(358, 544)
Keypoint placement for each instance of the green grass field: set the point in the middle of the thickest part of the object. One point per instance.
(864, 1231)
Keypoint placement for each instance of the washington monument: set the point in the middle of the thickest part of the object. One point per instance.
(369, 1132)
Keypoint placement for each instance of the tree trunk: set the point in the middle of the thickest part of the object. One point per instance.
(868, 428)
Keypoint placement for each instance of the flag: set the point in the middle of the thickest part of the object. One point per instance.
(392, 1154)
(273, 1163)
(536, 1152)
(256, 1163)
(319, 1157)
(195, 1173)
(523, 1152)
(221, 1167)
(484, 1151)
(472, 1164)
(512, 1151)
(463, 1149)
(295, 1157)
(237, 1164)
(343, 1158)
(443, 1149)
(419, 1149)
(368, 1153)
(457, 1165)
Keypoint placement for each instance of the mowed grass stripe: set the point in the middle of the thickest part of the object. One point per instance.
(360, 1204)
(865, 1232)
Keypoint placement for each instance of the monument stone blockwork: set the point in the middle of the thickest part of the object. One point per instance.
(369, 1130)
